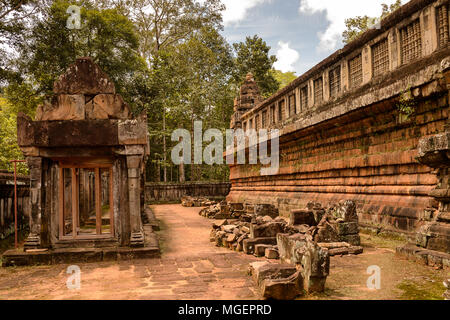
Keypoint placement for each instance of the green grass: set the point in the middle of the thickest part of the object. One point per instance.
(424, 291)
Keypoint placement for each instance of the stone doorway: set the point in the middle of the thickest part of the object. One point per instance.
(86, 200)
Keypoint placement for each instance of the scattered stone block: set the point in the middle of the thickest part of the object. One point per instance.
(260, 249)
(346, 228)
(270, 229)
(284, 288)
(229, 228)
(231, 237)
(272, 253)
(237, 206)
(277, 281)
(301, 217)
(300, 250)
(353, 239)
(266, 210)
(346, 210)
(248, 245)
(334, 245)
(220, 223)
(447, 293)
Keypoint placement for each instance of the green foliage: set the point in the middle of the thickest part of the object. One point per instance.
(284, 78)
(14, 15)
(163, 24)
(407, 104)
(105, 35)
(8, 138)
(253, 56)
(358, 25)
(195, 75)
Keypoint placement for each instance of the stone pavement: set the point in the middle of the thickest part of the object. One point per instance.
(190, 268)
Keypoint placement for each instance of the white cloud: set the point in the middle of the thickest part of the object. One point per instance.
(336, 13)
(236, 10)
(287, 57)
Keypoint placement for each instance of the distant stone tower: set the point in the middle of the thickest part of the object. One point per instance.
(249, 97)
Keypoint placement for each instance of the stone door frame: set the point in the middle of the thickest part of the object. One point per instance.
(89, 163)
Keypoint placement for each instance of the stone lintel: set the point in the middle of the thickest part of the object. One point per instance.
(133, 132)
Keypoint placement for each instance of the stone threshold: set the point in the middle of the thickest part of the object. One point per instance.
(427, 257)
(76, 255)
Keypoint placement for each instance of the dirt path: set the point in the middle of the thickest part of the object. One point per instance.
(400, 279)
(193, 268)
(190, 268)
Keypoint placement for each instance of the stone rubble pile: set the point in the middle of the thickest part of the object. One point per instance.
(304, 269)
(196, 202)
(334, 229)
(338, 223)
(243, 212)
(304, 244)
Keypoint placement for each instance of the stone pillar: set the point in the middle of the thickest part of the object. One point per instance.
(367, 64)
(34, 239)
(134, 187)
(2, 213)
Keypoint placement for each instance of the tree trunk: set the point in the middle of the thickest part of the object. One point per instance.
(164, 146)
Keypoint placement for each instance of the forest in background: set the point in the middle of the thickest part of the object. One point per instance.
(166, 57)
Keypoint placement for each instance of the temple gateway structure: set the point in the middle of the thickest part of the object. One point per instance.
(368, 124)
(86, 156)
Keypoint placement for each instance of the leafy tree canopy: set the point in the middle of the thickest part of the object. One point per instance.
(360, 24)
(50, 47)
(253, 56)
(284, 78)
(8, 137)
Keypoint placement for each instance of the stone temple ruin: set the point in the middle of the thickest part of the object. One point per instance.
(86, 154)
(368, 124)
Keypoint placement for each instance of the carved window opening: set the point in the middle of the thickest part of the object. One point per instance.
(411, 42)
(264, 119)
(281, 111)
(86, 209)
(443, 26)
(251, 124)
(318, 91)
(380, 58)
(304, 98)
(335, 82)
(272, 115)
(292, 106)
(355, 70)
(257, 125)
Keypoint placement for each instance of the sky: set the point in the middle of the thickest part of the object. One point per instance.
(301, 33)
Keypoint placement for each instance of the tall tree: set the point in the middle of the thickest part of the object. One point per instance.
(14, 15)
(162, 26)
(360, 24)
(9, 149)
(105, 35)
(253, 56)
(204, 64)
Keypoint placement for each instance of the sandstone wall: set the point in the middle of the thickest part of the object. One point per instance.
(356, 135)
(368, 157)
